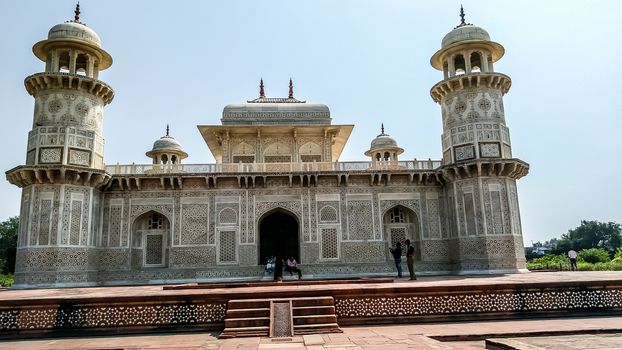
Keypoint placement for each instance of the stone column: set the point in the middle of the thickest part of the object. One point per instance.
(73, 55)
(484, 59)
(90, 64)
(451, 66)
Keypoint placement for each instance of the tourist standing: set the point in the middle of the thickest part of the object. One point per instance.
(572, 255)
(397, 256)
(410, 259)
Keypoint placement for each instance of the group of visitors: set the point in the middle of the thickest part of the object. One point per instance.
(275, 265)
(410, 258)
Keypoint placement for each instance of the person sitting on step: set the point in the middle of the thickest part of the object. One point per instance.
(292, 266)
(270, 264)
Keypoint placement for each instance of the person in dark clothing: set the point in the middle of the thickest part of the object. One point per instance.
(410, 259)
(397, 256)
(278, 268)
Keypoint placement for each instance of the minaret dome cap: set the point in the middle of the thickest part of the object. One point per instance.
(73, 33)
(468, 34)
(465, 33)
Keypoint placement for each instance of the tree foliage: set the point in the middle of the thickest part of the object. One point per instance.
(8, 244)
(591, 234)
(594, 255)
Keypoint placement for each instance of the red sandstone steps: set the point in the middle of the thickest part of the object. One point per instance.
(252, 317)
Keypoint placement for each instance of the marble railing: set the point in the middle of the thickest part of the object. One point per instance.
(137, 169)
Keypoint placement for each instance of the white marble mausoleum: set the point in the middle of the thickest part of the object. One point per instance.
(277, 185)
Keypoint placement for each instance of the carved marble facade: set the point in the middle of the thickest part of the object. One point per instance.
(84, 223)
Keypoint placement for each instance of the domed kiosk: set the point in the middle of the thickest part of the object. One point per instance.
(454, 60)
(166, 152)
(74, 48)
(384, 150)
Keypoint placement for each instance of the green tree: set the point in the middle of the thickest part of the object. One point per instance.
(594, 255)
(8, 244)
(592, 234)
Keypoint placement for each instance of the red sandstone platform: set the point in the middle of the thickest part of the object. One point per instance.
(422, 283)
(153, 308)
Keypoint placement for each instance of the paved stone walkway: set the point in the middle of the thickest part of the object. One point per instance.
(414, 336)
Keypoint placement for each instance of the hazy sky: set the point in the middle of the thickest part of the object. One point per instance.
(181, 62)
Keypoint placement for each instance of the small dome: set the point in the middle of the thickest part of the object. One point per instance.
(465, 33)
(166, 143)
(76, 31)
(383, 141)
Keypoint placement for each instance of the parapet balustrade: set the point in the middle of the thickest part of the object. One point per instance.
(138, 169)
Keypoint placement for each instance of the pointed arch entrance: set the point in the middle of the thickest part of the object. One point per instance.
(401, 223)
(151, 239)
(278, 235)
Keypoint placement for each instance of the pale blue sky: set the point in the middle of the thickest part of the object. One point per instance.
(181, 62)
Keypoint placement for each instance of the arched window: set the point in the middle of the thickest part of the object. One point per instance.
(396, 215)
(328, 214)
(227, 216)
(459, 64)
(400, 224)
(476, 62)
(243, 153)
(378, 156)
(154, 221)
(164, 159)
(174, 159)
(150, 238)
(278, 152)
(63, 62)
(81, 64)
(310, 152)
(387, 156)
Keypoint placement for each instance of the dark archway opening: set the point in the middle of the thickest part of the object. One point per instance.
(278, 235)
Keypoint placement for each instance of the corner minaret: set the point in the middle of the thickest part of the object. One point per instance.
(478, 166)
(471, 95)
(64, 171)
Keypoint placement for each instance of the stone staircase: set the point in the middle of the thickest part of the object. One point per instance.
(280, 317)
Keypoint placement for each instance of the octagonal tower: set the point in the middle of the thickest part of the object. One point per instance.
(64, 171)
(478, 166)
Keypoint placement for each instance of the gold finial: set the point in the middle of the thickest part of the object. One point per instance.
(76, 17)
